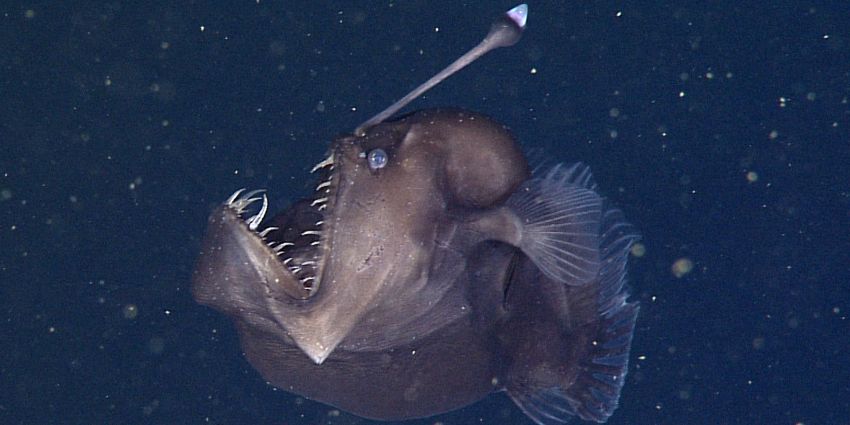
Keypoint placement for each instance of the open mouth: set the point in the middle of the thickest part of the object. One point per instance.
(298, 236)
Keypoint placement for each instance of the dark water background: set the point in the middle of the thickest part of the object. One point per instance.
(720, 128)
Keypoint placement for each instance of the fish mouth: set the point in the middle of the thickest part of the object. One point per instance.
(299, 238)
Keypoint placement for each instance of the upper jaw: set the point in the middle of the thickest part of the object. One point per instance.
(301, 249)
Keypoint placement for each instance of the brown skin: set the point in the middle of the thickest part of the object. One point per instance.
(387, 222)
(393, 305)
(423, 303)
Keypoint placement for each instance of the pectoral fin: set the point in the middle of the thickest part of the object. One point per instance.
(558, 217)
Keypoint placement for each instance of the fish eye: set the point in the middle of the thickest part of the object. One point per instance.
(377, 159)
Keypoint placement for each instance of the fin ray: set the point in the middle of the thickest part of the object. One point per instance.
(543, 410)
(559, 216)
(593, 348)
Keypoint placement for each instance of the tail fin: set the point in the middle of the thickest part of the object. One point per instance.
(569, 345)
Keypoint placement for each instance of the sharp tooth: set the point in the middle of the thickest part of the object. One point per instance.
(316, 243)
(295, 269)
(254, 221)
(308, 263)
(244, 200)
(323, 185)
(319, 201)
(287, 261)
(311, 232)
(266, 231)
(322, 207)
(233, 197)
(285, 244)
(248, 197)
(320, 222)
(328, 161)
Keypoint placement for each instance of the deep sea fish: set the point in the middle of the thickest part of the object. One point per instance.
(429, 269)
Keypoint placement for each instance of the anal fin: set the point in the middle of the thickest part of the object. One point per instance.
(596, 381)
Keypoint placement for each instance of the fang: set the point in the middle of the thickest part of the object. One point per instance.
(328, 161)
